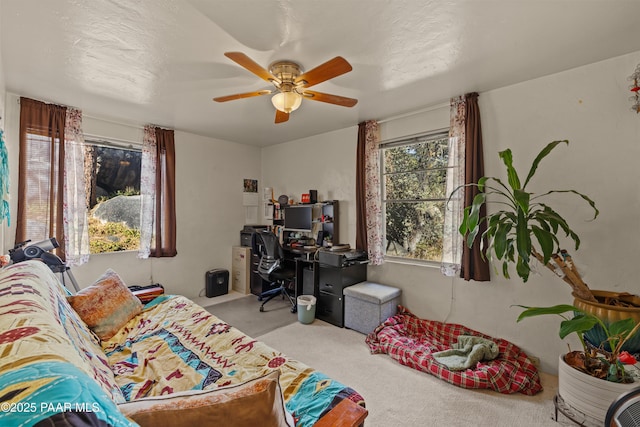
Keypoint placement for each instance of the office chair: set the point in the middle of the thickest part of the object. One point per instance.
(271, 267)
(625, 410)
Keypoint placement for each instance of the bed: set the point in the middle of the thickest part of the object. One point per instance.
(413, 341)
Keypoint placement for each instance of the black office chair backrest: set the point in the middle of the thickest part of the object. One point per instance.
(267, 246)
(625, 410)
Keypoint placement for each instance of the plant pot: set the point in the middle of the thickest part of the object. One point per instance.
(609, 314)
(586, 394)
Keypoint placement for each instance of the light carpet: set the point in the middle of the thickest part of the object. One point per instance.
(244, 314)
(396, 395)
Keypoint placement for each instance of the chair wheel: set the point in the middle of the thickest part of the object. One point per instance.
(261, 308)
(259, 298)
(294, 310)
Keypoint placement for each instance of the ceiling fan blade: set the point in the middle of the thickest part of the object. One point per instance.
(241, 95)
(330, 69)
(281, 116)
(331, 99)
(248, 63)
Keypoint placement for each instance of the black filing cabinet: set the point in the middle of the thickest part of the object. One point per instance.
(331, 284)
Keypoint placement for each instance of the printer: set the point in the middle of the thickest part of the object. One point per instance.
(342, 258)
(247, 231)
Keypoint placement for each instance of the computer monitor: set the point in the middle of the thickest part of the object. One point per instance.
(298, 218)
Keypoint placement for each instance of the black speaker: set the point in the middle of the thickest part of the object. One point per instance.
(313, 196)
(216, 282)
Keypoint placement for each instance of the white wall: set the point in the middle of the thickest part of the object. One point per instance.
(2, 84)
(210, 215)
(589, 106)
(3, 226)
(325, 163)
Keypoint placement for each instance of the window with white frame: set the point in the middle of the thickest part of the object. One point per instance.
(414, 177)
(113, 193)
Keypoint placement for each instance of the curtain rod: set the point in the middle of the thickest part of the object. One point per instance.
(95, 117)
(110, 140)
(413, 113)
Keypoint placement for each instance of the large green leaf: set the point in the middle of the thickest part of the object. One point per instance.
(507, 193)
(543, 224)
(539, 311)
(546, 241)
(481, 183)
(473, 219)
(579, 324)
(505, 269)
(476, 205)
(596, 212)
(501, 239)
(522, 199)
(555, 220)
(511, 251)
(512, 175)
(622, 327)
(464, 225)
(523, 269)
(545, 151)
(523, 238)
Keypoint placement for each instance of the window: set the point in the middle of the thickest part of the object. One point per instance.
(113, 193)
(41, 185)
(414, 176)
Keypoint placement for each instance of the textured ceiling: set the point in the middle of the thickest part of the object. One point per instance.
(162, 61)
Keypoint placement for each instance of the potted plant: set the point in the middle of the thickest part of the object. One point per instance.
(580, 373)
(596, 361)
(527, 230)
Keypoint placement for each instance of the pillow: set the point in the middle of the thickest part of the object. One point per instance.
(257, 402)
(107, 305)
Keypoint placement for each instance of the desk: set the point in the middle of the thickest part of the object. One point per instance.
(328, 282)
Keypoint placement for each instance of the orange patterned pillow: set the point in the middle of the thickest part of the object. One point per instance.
(107, 305)
(257, 402)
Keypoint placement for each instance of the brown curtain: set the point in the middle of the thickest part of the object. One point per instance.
(165, 210)
(473, 266)
(361, 201)
(41, 173)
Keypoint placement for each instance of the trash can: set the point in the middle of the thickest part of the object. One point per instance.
(306, 308)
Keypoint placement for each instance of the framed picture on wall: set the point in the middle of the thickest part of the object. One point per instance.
(250, 186)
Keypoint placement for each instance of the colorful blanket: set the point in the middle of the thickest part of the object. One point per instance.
(54, 370)
(175, 345)
(412, 342)
(50, 362)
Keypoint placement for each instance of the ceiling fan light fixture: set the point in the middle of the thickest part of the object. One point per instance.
(287, 101)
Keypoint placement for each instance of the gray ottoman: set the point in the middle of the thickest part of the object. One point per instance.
(368, 304)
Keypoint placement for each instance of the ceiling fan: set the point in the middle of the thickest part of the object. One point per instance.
(291, 83)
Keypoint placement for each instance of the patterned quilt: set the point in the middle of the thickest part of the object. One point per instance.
(50, 362)
(175, 345)
(53, 369)
(412, 341)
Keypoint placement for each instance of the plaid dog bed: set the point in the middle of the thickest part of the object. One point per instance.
(412, 342)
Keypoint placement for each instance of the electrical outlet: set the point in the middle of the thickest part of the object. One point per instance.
(535, 360)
